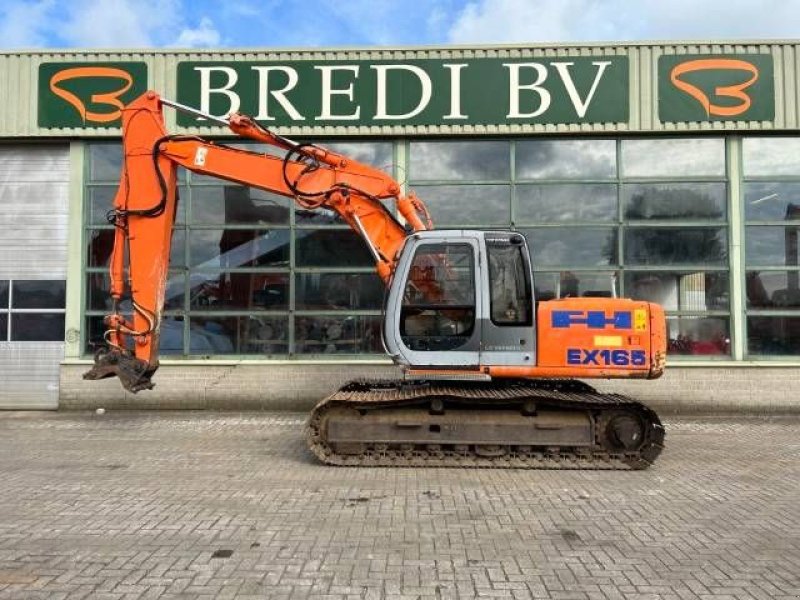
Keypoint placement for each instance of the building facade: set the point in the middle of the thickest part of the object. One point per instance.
(668, 173)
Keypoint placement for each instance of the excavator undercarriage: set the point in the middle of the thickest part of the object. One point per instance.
(559, 424)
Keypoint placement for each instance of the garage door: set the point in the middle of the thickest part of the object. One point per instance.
(34, 183)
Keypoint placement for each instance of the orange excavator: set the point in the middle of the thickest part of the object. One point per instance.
(490, 373)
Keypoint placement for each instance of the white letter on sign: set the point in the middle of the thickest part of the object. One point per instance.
(455, 91)
(580, 105)
(206, 90)
(515, 88)
(328, 91)
(425, 97)
(280, 95)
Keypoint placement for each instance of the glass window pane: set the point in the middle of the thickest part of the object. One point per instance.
(3, 294)
(771, 156)
(459, 161)
(98, 286)
(566, 159)
(674, 201)
(475, 205)
(572, 246)
(773, 335)
(101, 242)
(105, 162)
(231, 248)
(169, 343)
(707, 336)
(680, 290)
(338, 291)
(101, 202)
(773, 289)
(374, 154)
(771, 201)
(239, 291)
(238, 335)
(3, 327)
(50, 293)
(331, 248)
(673, 157)
(338, 335)
(574, 284)
(237, 205)
(674, 246)
(38, 327)
(565, 202)
(772, 246)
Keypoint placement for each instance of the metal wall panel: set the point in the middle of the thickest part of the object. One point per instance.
(29, 373)
(34, 187)
(19, 72)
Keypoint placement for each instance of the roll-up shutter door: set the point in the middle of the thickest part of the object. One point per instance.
(34, 183)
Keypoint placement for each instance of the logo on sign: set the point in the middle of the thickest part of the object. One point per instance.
(740, 100)
(716, 87)
(593, 319)
(87, 95)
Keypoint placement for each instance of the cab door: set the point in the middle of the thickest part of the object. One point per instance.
(432, 313)
(507, 328)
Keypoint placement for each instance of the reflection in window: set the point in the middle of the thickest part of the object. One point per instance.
(467, 205)
(773, 335)
(238, 291)
(237, 205)
(101, 203)
(338, 291)
(238, 335)
(566, 159)
(773, 289)
(462, 161)
(331, 248)
(673, 157)
(771, 156)
(565, 202)
(708, 336)
(674, 201)
(39, 293)
(696, 291)
(572, 246)
(575, 284)
(338, 335)
(673, 246)
(230, 248)
(101, 243)
(772, 246)
(772, 201)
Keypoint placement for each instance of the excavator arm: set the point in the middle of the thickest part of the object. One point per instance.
(146, 201)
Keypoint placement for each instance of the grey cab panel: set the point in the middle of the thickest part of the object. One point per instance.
(461, 298)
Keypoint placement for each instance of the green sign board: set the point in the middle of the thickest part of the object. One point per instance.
(88, 94)
(429, 92)
(708, 87)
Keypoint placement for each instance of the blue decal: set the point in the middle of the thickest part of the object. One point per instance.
(593, 319)
(605, 358)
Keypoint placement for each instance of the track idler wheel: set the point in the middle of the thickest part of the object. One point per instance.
(623, 431)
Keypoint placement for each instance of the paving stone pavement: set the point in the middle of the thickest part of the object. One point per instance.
(228, 505)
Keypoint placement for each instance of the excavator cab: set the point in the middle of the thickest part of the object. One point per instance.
(460, 299)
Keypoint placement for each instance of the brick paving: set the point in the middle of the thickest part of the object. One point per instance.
(227, 505)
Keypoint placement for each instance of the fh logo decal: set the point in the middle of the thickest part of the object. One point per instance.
(735, 91)
(111, 99)
(593, 319)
